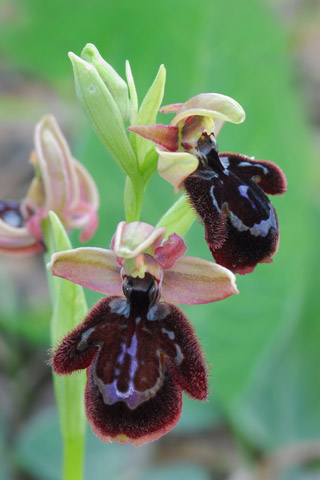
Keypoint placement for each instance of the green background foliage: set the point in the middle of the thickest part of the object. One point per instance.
(262, 345)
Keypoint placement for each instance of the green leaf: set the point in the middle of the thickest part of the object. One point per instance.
(281, 404)
(38, 451)
(176, 472)
(39, 447)
(133, 95)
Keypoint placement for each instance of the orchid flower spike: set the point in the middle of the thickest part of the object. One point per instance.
(140, 353)
(227, 190)
(60, 184)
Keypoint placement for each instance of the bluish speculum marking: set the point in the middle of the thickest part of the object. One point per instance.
(132, 397)
(256, 165)
(170, 334)
(10, 213)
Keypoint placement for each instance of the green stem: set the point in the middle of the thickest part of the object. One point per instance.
(73, 451)
(133, 196)
(69, 308)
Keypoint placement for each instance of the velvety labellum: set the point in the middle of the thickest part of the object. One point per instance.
(228, 192)
(136, 349)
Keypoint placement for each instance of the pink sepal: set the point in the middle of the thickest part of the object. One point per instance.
(93, 268)
(163, 135)
(193, 281)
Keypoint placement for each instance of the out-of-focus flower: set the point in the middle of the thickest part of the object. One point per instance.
(60, 184)
(140, 353)
(228, 191)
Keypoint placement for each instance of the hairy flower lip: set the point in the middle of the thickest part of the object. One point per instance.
(140, 353)
(129, 341)
(215, 182)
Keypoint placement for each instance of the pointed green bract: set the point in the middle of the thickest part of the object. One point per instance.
(148, 111)
(115, 84)
(178, 218)
(69, 309)
(103, 113)
(133, 93)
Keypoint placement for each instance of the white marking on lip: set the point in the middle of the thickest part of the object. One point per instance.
(158, 312)
(248, 164)
(120, 306)
(225, 162)
(214, 200)
(84, 337)
(168, 332)
(132, 397)
(179, 356)
(258, 229)
(243, 190)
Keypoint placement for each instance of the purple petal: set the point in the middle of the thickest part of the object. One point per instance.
(170, 251)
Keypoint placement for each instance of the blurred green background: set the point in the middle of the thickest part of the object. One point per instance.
(262, 421)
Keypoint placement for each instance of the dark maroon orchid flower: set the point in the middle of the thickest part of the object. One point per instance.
(140, 353)
(228, 191)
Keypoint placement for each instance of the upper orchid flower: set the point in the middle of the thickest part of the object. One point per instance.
(140, 353)
(60, 184)
(227, 190)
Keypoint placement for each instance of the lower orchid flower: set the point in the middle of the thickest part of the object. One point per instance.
(227, 190)
(140, 353)
(60, 184)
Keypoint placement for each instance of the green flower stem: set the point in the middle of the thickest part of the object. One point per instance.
(73, 456)
(178, 218)
(69, 309)
(133, 197)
